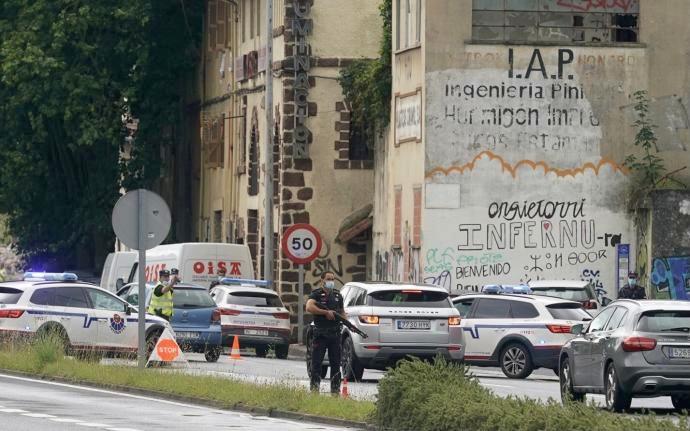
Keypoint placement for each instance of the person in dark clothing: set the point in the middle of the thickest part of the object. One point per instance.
(221, 275)
(632, 290)
(327, 331)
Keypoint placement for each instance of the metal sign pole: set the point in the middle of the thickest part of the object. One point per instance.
(300, 306)
(141, 352)
(268, 200)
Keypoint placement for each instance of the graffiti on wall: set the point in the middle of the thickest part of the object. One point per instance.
(672, 275)
(326, 262)
(519, 140)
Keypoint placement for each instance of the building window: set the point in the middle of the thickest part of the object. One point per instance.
(555, 21)
(218, 25)
(359, 148)
(218, 226)
(397, 217)
(252, 18)
(409, 23)
(417, 217)
(254, 159)
(243, 18)
(214, 142)
(258, 17)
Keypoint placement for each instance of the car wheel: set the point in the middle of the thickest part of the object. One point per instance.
(53, 334)
(282, 351)
(151, 341)
(352, 369)
(261, 351)
(213, 354)
(516, 361)
(565, 375)
(616, 398)
(681, 402)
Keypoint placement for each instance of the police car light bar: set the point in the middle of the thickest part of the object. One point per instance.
(50, 276)
(494, 289)
(243, 282)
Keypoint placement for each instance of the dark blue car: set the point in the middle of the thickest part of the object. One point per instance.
(196, 317)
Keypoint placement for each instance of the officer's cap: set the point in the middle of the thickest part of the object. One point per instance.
(163, 273)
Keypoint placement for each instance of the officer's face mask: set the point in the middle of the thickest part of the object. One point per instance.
(632, 281)
(329, 284)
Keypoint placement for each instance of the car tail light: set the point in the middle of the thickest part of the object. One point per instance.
(282, 316)
(411, 291)
(559, 329)
(639, 344)
(369, 320)
(11, 314)
(589, 305)
(215, 316)
(230, 312)
(453, 321)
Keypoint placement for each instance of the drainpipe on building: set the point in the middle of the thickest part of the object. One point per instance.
(268, 198)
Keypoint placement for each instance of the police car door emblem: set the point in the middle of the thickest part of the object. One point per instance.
(117, 324)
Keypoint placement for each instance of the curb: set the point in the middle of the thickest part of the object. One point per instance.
(238, 407)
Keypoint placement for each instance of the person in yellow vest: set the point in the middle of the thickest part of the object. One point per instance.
(162, 299)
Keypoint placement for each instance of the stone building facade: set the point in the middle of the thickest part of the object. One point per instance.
(322, 174)
(510, 126)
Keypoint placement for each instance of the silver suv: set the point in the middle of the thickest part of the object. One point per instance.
(401, 320)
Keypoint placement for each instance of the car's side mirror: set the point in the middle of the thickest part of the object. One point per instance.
(119, 283)
(606, 301)
(128, 310)
(577, 329)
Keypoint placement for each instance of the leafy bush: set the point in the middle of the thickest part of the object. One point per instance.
(442, 396)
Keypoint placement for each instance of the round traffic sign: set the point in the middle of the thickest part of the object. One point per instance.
(301, 243)
(155, 216)
(167, 350)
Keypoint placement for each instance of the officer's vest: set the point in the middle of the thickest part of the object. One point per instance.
(164, 303)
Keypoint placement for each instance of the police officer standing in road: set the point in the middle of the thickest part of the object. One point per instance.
(632, 290)
(162, 299)
(326, 331)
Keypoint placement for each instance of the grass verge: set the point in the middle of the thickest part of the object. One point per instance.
(441, 396)
(44, 359)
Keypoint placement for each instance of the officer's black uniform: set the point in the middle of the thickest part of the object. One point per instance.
(326, 336)
(632, 292)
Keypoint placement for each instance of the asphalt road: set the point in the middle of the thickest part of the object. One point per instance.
(541, 385)
(29, 405)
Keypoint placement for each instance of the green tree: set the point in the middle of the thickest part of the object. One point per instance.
(69, 71)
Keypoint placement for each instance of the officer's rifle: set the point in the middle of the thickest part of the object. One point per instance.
(344, 321)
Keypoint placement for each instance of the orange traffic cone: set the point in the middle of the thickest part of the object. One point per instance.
(235, 352)
(345, 393)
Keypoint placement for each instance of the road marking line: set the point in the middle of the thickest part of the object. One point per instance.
(66, 420)
(116, 394)
(122, 429)
(497, 386)
(91, 425)
(13, 411)
(38, 415)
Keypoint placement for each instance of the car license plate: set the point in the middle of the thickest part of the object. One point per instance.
(680, 352)
(414, 324)
(187, 334)
(256, 332)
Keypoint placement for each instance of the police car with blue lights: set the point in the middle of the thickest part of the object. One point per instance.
(509, 327)
(254, 313)
(84, 317)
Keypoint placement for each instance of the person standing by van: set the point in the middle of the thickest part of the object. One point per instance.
(221, 273)
(162, 299)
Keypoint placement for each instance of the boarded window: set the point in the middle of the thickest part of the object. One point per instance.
(211, 24)
(417, 217)
(603, 21)
(254, 160)
(214, 142)
(397, 219)
(218, 226)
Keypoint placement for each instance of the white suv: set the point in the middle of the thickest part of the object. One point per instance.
(516, 332)
(84, 316)
(400, 320)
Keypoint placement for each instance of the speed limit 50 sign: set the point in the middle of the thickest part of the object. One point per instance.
(301, 243)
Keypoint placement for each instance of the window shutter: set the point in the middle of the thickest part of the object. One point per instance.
(211, 21)
(221, 24)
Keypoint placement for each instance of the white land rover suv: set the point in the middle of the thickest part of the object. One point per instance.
(84, 316)
(400, 320)
(518, 332)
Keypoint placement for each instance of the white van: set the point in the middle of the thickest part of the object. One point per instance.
(118, 266)
(198, 262)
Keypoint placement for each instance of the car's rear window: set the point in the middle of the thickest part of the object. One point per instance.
(664, 321)
(568, 311)
(254, 299)
(569, 293)
(10, 295)
(410, 298)
(192, 298)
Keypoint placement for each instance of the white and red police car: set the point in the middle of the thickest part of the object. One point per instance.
(253, 313)
(84, 316)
